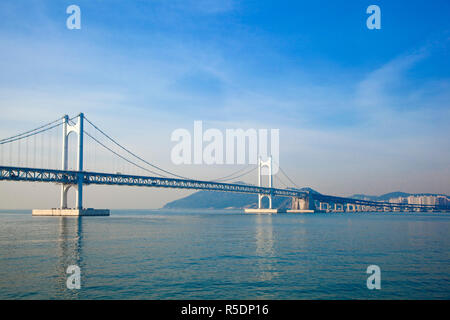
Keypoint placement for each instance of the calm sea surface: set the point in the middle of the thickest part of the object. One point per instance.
(225, 255)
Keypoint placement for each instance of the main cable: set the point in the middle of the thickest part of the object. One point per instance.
(284, 173)
(152, 165)
(232, 178)
(129, 161)
(29, 131)
(133, 154)
(21, 136)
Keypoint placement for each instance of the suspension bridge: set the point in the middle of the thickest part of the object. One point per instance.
(42, 155)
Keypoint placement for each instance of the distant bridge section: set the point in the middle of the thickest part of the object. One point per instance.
(332, 203)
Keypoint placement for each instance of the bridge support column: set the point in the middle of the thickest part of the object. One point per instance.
(80, 192)
(261, 196)
(64, 189)
(65, 140)
(261, 165)
(301, 205)
(78, 128)
(324, 206)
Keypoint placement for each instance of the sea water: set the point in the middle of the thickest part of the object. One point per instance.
(223, 254)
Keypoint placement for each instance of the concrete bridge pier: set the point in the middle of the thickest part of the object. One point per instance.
(301, 205)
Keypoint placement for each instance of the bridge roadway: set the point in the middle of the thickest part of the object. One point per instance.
(99, 178)
(8, 173)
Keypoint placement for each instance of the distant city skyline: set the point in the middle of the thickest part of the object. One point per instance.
(359, 110)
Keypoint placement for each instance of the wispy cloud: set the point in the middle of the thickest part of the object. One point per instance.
(379, 87)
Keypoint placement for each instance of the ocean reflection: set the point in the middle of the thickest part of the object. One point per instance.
(265, 251)
(70, 235)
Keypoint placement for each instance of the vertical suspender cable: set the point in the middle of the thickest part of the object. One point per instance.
(48, 148)
(34, 151)
(42, 151)
(18, 154)
(26, 152)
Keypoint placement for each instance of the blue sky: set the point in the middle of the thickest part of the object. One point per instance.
(358, 110)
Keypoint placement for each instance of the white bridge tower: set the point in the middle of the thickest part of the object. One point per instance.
(67, 129)
(261, 165)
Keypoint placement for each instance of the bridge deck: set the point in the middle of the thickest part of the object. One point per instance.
(97, 178)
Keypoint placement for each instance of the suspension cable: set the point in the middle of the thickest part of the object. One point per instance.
(117, 154)
(284, 173)
(279, 180)
(29, 131)
(241, 175)
(137, 165)
(152, 165)
(231, 174)
(19, 137)
(282, 181)
(120, 156)
(225, 178)
(133, 154)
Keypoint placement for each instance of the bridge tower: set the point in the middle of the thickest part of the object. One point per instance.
(67, 129)
(262, 164)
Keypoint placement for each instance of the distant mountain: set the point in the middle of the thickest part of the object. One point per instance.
(226, 200)
(390, 195)
(383, 197)
(307, 189)
(218, 200)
